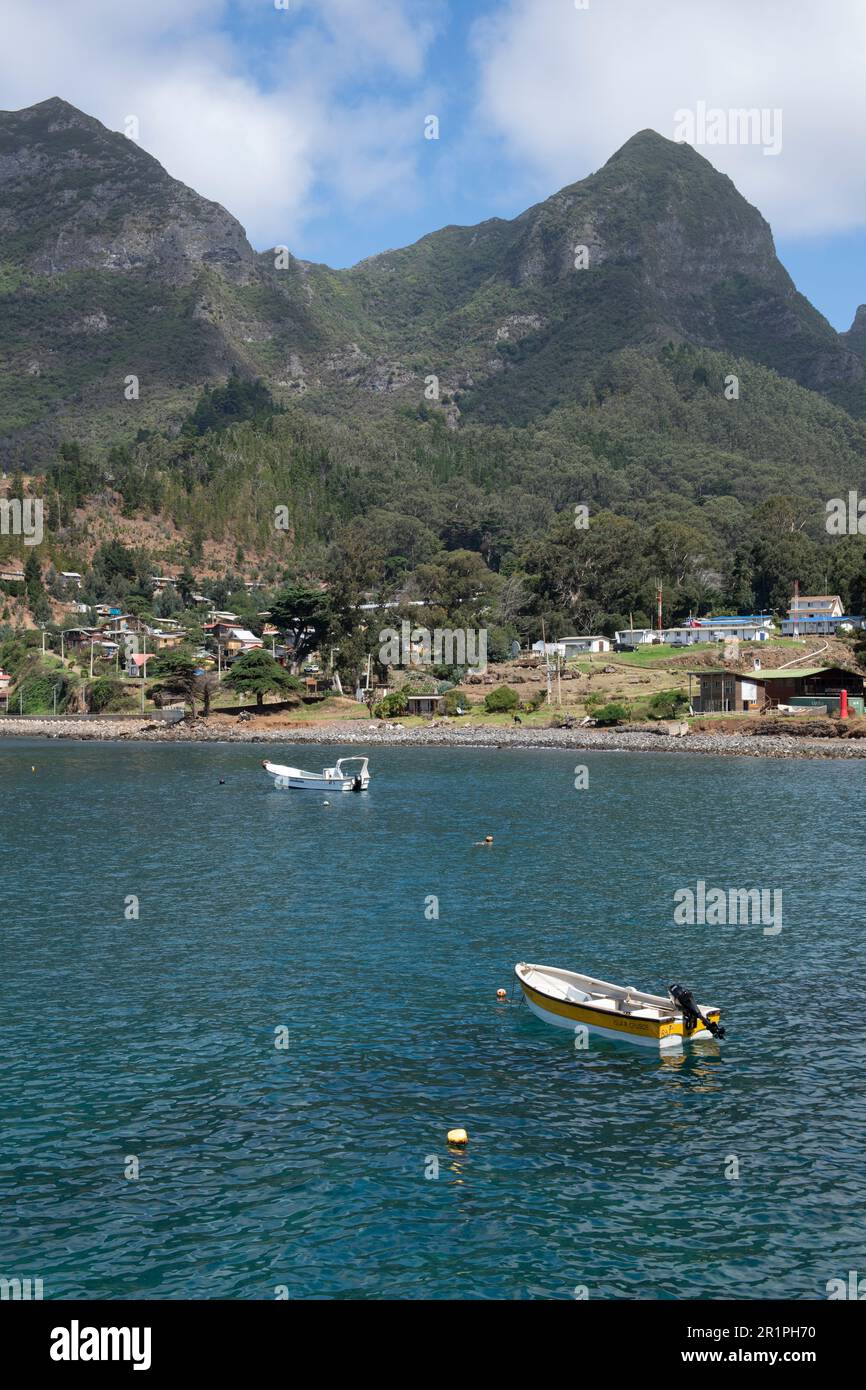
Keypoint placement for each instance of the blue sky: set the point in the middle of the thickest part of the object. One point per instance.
(307, 121)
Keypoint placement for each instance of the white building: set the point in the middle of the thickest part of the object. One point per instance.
(816, 606)
(708, 631)
(575, 645)
(631, 637)
(548, 649)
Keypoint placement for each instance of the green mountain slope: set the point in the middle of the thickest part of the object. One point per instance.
(110, 269)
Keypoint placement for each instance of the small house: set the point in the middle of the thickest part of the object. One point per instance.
(237, 640)
(818, 626)
(756, 628)
(721, 691)
(136, 664)
(79, 636)
(164, 641)
(574, 646)
(631, 637)
(425, 704)
(816, 606)
(549, 649)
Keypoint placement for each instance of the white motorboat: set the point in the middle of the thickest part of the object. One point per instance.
(347, 775)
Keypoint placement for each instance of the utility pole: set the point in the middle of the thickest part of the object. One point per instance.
(659, 593)
(546, 664)
(91, 658)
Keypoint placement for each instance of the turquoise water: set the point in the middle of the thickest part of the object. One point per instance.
(304, 1168)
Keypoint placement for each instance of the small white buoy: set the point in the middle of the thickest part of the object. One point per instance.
(458, 1136)
(500, 994)
(326, 803)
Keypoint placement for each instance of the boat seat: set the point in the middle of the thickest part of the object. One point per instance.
(603, 1001)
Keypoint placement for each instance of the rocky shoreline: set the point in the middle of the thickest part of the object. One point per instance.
(348, 732)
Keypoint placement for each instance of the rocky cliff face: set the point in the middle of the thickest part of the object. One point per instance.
(855, 337)
(75, 196)
(656, 246)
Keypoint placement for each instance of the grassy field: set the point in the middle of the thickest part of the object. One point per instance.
(648, 656)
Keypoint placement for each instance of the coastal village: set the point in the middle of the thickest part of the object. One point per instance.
(97, 660)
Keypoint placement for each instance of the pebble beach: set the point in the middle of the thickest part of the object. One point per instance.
(440, 734)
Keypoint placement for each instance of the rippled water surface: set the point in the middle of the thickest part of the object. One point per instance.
(309, 1167)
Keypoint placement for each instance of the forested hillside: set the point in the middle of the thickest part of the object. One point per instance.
(427, 423)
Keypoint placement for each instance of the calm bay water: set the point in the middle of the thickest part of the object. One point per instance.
(305, 1168)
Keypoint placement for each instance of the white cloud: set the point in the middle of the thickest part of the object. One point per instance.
(393, 34)
(565, 87)
(254, 107)
(288, 116)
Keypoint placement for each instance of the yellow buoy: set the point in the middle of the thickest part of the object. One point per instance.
(458, 1136)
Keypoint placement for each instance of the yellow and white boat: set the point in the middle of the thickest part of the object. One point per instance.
(569, 1000)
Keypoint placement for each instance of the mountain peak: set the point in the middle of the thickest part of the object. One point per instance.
(855, 337)
(643, 139)
(105, 204)
(52, 104)
(649, 149)
(53, 112)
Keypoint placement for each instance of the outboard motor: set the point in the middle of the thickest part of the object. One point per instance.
(685, 1000)
(357, 785)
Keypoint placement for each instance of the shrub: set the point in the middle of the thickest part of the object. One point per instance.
(106, 695)
(393, 705)
(35, 694)
(668, 704)
(454, 701)
(535, 701)
(501, 700)
(613, 713)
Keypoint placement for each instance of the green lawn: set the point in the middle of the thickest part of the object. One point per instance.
(648, 656)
